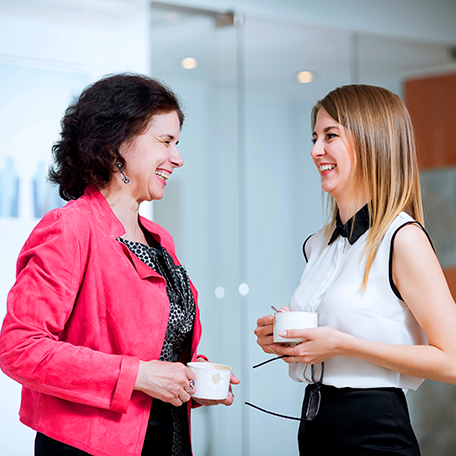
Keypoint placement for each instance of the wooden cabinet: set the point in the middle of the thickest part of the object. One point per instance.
(431, 102)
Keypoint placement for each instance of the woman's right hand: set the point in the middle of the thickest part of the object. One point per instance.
(264, 330)
(167, 381)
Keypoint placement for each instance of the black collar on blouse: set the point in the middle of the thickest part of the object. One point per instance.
(360, 226)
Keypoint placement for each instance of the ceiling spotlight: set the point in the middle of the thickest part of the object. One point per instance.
(172, 17)
(189, 63)
(305, 77)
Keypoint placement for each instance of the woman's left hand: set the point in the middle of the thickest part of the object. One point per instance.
(228, 401)
(320, 344)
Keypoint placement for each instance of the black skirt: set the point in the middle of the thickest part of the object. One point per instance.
(358, 422)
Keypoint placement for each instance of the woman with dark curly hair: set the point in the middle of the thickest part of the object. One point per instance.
(102, 318)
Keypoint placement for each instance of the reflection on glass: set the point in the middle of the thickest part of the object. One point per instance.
(9, 189)
(219, 292)
(45, 197)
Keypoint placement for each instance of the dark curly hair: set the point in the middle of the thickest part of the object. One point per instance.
(107, 113)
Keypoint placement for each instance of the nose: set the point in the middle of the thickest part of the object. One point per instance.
(176, 160)
(317, 150)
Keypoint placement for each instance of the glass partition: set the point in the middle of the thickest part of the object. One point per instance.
(249, 195)
(196, 52)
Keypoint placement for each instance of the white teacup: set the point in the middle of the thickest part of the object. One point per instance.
(212, 380)
(293, 320)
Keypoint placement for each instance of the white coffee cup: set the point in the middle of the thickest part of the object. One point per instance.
(284, 321)
(212, 380)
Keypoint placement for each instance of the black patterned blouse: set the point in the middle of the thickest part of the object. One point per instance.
(180, 323)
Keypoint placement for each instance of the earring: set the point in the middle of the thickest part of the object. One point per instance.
(125, 178)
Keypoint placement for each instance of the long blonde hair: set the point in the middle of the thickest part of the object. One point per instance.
(382, 140)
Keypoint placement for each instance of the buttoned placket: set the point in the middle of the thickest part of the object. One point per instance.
(339, 245)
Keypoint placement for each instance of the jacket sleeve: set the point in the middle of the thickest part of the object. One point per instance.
(50, 270)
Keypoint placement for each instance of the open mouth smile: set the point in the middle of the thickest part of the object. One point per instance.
(324, 168)
(163, 174)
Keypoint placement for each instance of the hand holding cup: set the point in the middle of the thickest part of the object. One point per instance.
(212, 383)
(284, 321)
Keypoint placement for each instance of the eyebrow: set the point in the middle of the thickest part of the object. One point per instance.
(169, 137)
(326, 129)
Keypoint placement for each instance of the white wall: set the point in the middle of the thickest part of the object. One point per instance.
(97, 37)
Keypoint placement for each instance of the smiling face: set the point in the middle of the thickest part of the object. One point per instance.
(152, 156)
(332, 157)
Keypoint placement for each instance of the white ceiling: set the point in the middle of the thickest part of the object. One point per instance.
(275, 51)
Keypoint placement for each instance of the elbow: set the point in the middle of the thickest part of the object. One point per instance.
(450, 369)
(7, 363)
(18, 357)
(8, 360)
(3, 352)
(445, 369)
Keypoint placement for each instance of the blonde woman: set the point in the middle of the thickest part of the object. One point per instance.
(386, 315)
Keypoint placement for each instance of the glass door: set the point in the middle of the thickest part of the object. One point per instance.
(197, 53)
(248, 195)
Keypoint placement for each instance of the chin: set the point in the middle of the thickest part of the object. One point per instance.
(327, 189)
(156, 197)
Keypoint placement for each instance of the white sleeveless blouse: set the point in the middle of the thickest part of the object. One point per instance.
(331, 285)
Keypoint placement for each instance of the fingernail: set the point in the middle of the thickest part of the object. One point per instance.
(282, 333)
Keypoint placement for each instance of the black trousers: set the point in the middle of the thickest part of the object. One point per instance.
(45, 446)
(358, 422)
(158, 441)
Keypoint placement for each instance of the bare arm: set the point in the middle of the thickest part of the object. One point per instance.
(420, 280)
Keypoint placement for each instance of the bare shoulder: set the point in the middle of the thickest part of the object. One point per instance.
(414, 259)
(420, 280)
(410, 240)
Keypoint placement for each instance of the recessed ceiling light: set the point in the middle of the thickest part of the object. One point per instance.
(305, 77)
(189, 63)
(172, 17)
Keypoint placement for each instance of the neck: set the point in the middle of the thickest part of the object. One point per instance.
(125, 208)
(347, 209)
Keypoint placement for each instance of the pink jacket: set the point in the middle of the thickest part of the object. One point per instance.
(82, 313)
